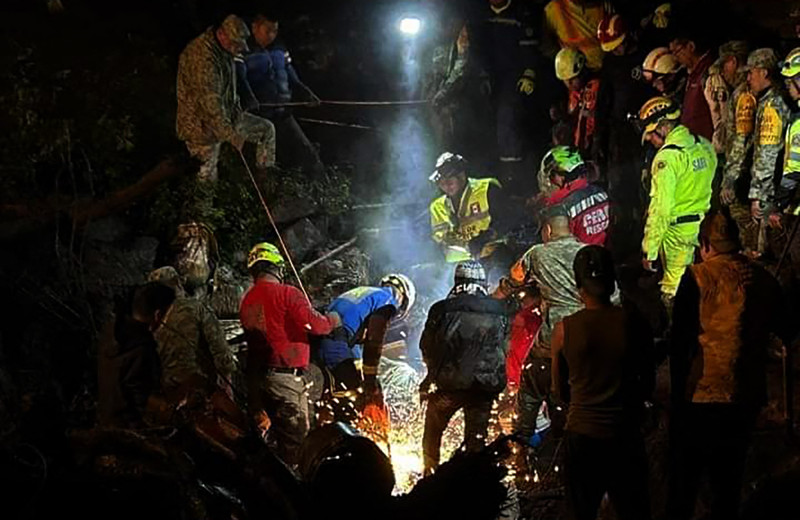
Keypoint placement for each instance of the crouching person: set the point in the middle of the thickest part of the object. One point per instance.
(602, 369)
(464, 348)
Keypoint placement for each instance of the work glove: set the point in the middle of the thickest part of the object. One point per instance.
(426, 388)
(526, 83)
(334, 318)
(476, 244)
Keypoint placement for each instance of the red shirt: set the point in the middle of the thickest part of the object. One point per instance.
(524, 327)
(587, 208)
(277, 320)
(695, 114)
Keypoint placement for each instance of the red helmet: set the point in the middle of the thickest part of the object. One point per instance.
(611, 32)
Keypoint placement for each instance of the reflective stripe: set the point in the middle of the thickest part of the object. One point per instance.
(510, 159)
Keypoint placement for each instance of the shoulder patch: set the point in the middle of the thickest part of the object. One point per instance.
(770, 127)
(660, 165)
(745, 114)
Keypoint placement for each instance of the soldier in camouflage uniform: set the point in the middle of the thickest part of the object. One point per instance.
(195, 357)
(739, 124)
(209, 112)
(549, 266)
(772, 116)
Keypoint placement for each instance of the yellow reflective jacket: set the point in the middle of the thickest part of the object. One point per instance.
(453, 227)
(682, 172)
(791, 157)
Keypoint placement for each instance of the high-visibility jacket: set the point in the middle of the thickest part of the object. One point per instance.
(576, 27)
(452, 226)
(791, 157)
(680, 193)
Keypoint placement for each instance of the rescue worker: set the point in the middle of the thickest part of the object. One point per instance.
(573, 24)
(739, 152)
(586, 204)
(462, 219)
(772, 117)
(724, 76)
(661, 70)
(549, 266)
(786, 197)
(583, 87)
(464, 347)
(209, 112)
(693, 54)
(195, 358)
(458, 88)
(622, 92)
(266, 76)
(682, 173)
(790, 70)
(277, 320)
(351, 353)
(507, 43)
(726, 309)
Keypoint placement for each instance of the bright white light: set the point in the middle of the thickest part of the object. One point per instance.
(410, 25)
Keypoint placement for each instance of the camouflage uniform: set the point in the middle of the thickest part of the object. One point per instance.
(738, 159)
(192, 348)
(209, 112)
(550, 267)
(772, 116)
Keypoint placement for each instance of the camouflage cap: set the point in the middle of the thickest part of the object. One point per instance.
(762, 59)
(737, 48)
(168, 276)
(236, 29)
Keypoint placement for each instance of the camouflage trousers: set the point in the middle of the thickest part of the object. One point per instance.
(749, 229)
(253, 129)
(285, 399)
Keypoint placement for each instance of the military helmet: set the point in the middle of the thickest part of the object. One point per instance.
(405, 287)
(446, 165)
(265, 252)
(562, 160)
(660, 61)
(569, 63)
(611, 32)
(655, 110)
(790, 67)
(470, 271)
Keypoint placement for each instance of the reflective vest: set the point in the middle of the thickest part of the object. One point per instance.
(791, 158)
(576, 27)
(680, 193)
(455, 228)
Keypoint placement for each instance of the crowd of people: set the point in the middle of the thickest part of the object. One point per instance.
(659, 135)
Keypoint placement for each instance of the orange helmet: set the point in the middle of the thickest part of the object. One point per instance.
(611, 32)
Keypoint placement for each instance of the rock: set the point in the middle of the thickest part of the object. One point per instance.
(229, 288)
(302, 238)
(336, 275)
(290, 209)
(109, 266)
(108, 229)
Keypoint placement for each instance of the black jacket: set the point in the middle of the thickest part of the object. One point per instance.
(464, 343)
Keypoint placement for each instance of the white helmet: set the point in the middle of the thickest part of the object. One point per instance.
(406, 288)
(447, 164)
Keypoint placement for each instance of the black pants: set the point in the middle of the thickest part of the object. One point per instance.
(534, 389)
(713, 437)
(293, 146)
(442, 405)
(594, 467)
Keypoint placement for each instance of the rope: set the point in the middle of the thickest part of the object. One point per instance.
(274, 226)
(411, 102)
(333, 123)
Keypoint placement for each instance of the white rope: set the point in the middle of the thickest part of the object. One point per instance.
(274, 226)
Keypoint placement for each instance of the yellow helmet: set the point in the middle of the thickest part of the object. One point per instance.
(654, 111)
(569, 63)
(264, 251)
